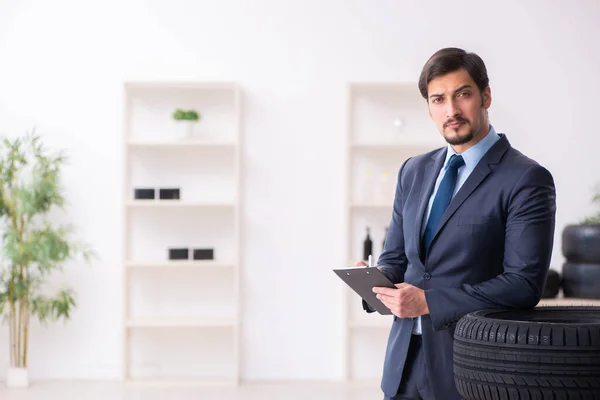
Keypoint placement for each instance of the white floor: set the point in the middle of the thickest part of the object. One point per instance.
(246, 391)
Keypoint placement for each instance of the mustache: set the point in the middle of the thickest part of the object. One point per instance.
(457, 119)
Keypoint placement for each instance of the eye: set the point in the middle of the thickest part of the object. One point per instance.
(437, 100)
(464, 94)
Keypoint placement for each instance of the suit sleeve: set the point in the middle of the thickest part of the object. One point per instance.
(392, 260)
(529, 237)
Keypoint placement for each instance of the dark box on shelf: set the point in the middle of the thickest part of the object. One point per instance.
(143, 194)
(179, 254)
(204, 254)
(169, 194)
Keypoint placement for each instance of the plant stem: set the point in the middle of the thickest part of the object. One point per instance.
(26, 339)
(13, 322)
(22, 315)
(12, 297)
(23, 294)
(11, 325)
(19, 333)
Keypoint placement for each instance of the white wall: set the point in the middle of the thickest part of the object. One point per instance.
(62, 64)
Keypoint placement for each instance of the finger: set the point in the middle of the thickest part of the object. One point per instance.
(403, 285)
(387, 303)
(385, 291)
(394, 308)
(361, 264)
(388, 299)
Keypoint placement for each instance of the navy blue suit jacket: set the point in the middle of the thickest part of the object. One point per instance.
(492, 250)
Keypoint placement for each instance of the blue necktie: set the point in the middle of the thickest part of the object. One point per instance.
(442, 198)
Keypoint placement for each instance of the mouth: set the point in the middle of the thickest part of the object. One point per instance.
(455, 124)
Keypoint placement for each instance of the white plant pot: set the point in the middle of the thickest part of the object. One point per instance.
(17, 378)
(185, 129)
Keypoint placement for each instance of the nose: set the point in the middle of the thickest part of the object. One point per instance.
(452, 109)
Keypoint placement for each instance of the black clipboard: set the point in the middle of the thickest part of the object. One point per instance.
(362, 280)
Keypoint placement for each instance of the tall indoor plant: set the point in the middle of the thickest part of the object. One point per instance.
(32, 245)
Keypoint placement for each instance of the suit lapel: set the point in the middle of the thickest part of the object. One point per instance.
(427, 178)
(481, 171)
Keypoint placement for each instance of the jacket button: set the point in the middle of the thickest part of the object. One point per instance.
(427, 276)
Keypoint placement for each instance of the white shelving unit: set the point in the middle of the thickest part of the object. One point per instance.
(181, 317)
(387, 123)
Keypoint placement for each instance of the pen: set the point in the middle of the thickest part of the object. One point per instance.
(370, 261)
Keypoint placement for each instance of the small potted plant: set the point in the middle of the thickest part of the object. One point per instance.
(187, 120)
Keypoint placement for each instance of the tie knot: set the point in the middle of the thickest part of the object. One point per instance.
(456, 162)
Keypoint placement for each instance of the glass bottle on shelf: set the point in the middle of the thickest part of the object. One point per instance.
(368, 246)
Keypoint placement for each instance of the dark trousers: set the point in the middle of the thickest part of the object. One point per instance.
(414, 384)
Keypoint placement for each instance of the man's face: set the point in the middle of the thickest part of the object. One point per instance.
(457, 107)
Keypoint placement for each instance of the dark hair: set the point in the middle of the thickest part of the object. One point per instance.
(452, 59)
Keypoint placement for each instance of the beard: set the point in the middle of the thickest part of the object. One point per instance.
(459, 139)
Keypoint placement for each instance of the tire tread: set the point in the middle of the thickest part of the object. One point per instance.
(510, 360)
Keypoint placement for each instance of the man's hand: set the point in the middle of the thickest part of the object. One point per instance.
(407, 301)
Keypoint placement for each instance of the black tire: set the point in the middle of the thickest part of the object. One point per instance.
(544, 353)
(552, 286)
(581, 243)
(581, 280)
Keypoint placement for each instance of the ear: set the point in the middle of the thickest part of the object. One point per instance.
(487, 98)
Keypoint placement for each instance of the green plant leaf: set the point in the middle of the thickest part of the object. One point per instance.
(33, 247)
(52, 309)
(186, 115)
(595, 220)
(179, 114)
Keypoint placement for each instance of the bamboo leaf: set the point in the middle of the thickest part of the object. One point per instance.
(32, 247)
(53, 309)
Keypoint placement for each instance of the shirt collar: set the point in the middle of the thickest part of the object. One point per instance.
(475, 153)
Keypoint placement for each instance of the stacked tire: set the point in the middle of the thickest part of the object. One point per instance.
(552, 286)
(581, 271)
(547, 353)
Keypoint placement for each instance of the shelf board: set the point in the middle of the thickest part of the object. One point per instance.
(374, 382)
(179, 264)
(384, 206)
(371, 323)
(181, 322)
(400, 144)
(384, 85)
(176, 203)
(161, 85)
(180, 144)
(182, 382)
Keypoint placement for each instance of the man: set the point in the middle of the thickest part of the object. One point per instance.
(472, 228)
